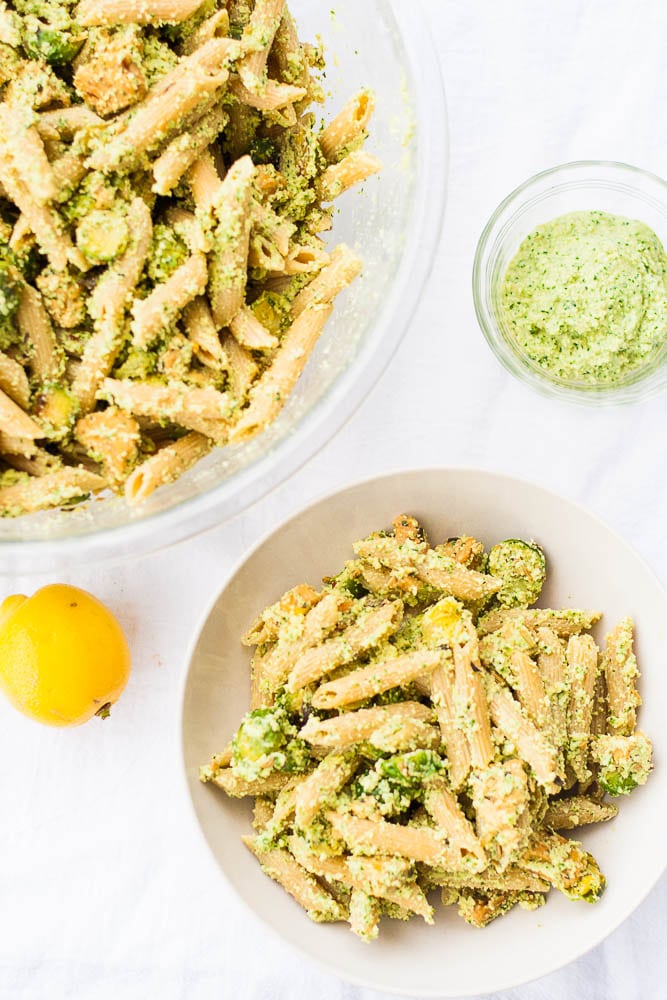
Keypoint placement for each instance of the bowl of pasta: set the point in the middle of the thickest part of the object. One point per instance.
(411, 723)
(215, 223)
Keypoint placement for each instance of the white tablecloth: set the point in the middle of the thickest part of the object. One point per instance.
(107, 894)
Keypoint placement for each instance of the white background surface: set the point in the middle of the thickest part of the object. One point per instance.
(107, 891)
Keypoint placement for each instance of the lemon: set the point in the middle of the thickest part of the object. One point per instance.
(63, 655)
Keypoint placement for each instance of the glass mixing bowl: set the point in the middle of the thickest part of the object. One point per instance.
(394, 223)
(602, 185)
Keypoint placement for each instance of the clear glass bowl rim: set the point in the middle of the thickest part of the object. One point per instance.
(317, 427)
(646, 384)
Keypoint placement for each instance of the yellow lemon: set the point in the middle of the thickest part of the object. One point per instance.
(63, 655)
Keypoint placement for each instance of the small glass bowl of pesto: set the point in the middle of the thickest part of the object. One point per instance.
(570, 282)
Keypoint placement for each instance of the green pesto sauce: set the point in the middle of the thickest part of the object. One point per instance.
(585, 297)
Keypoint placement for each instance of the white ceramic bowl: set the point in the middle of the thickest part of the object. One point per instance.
(589, 566)
(394, 224)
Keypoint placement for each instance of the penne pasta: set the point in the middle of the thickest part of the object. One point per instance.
(620, 669)
(367, 682)
(50, 490)
(229, 256)
(456, 744)
(532, 746)
(362, 725)
(205, 410)
(352, 169)
(582, 668)
(306, 890)
(370, 629)
(348, 128)
(46, 358)
(15, 422)
(14, 381)
(179, 155)
(156, 313)
(258, 35)
(250, 333)
(167, 465)
(379, 837)
(269, 395)
(111, 12)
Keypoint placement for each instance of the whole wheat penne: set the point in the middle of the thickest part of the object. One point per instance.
(387, 878)
(68, 170)
(259, 34)
(16, 446)
(43, 221)
(552, 666)
(456, 744)
(158, 311)
(582, 668)
(242, 369)
(306, 890)
(250, 333)
(356, 727)
(273, 96)
(380, 837)
(419, 560)
(288, 54)
(564, 622)
(530, 688)
(215, 26)
(239, 788)
(352, 169)
(228, 260)
(271, 392)
(577, 810)
(621, 672)
(167, 465)
(64, 123)
(204, 182)
(198, 409)
(366, 682)
(443, 806)
(364, 913)
(39, 461)
(343, 267)
(108, 303)
(203, 335)
(318, 622)
(46, 360)
(371, 628)
(470, 701)
(14, 381)
(288, 614)
(349, 125)
(186, 225)
(532, 746)
(50, 490)
(179, 155)
(319, 789)
(305, 259)
(15, 422)
(23, 143)
(101, 12)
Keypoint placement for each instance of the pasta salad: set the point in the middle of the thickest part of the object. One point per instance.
(420, 724)
(164, 188)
